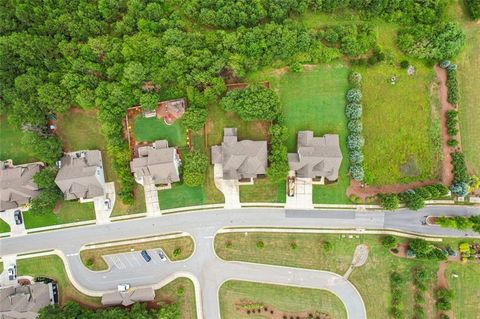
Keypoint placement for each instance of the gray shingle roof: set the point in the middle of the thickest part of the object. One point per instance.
(316, 156)
(16, 184)
(81, 175)
(24, 301)
(240, 159)
(129, 297)
(157, 161)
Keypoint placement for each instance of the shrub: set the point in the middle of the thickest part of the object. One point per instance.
(460, 173)
(452, 122)
(424, 193)
(177, 251)
(473, 8)
(355, 141)
(354, 95)
(194, 168)
(389, 242)
(444, 297)
(356, 157)
(180, 291)
(296, 67)
(355, 79)
(404, 64)
(194, 118)
(260, 244)
(390, 201)
(452, 142)
(327, 246)
(444, 64)
(413, 200)
(460, 189)
(452, 85)
(293, 245)
(353, 111)
(356, 172)
(442, 189)
(355, 126)
(433, 191)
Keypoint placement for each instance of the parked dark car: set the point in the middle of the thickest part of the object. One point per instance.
(146, 256)
(18, 217)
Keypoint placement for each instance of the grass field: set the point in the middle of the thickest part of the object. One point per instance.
(67, 212)
(469, 79)
(92, 258)
(4, 227)
(263, 191)
(466, 289)
(180, 195)
(280, 298)
(372, 279)
(11, 146)
(152, 129)
(315, 100)
(397, 125)
(52, 267)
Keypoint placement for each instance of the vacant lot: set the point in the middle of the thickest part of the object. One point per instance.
(398, 127)
(92, 258)
(11, 146)
(278, 298)
(466, 289)
(263, 191)
(152, 129)
(180, 195)
(315, 100)
(372, 279)
(65, 212)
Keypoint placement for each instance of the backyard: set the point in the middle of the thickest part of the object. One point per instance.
(152, 129)
(401, 136)
(310, 252)
(10, 144)
(65, 212)
(279, 299)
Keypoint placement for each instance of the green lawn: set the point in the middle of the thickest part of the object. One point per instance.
(67, 212)
(469, 105)
(466, 289)
(372, 279)
(180, 195)
(315, 100)
(11, 146)
(398, 128)
(280, 299)
(263, 191)
(186, 301)
(4, 227)
(152, 129)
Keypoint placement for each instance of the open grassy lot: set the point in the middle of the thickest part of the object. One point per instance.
(52, 267)
(398, 128)
(469, 79)
(66, 212)
(372, 279)
(4, 227)
(278, 298)
(152, 129)
(263, 191)
(92, 258)
(315, 100)
(466, 289)
(180, 195)
(10, 144)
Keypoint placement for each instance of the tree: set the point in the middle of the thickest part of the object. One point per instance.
(194, 168)
(355, 141)
(444, 298)
(194, 118)
(460, 189)
(277, 171)
(413, 200)
(389, 242)
(390, 201)
(354, 95)
(45, 202)
(149, 101)
(134, 73)
(47, 149)
(253, 103)
(353, 111)
(355, 79)
(356, 157)
(473, 7)
(45, 178)
(356, 172)
(420, 247)
(355, 126)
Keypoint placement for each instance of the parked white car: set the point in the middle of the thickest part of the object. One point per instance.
(123, 287)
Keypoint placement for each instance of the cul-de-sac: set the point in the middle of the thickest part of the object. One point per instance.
(236, 159)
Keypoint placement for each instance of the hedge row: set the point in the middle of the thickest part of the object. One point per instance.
(355, 140)
(452, 122)
(460, 174)
(413, 198)
(397, 287)
(452, 84)
(421, 278)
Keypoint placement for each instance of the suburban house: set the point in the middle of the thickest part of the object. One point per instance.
(25, 301)
(157, 164)
(240, 160)
(17, 187)
(318, 158)
(80, 175)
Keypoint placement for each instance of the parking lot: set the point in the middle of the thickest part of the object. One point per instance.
(133, 259)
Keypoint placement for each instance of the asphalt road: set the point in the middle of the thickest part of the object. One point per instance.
(210, 271)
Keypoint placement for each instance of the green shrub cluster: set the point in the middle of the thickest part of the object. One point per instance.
(355, 140)
(460, 222)
(397, 294)
(421, 278)
(413, 198)
(444, 298)
(452, 142)
(352, 39)
(452, 85)
(195, 166)
(46, 200)
(389, 242)
(278, 157)
(452, 122)
(460, 172)
(424, 250)
(473, 7)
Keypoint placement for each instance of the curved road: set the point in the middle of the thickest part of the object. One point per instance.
(204, 267)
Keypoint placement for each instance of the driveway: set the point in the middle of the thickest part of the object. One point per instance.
(302, 198)
(102, 211)
(7, 260)
(9, 218)
(229, 188)
(151, 197)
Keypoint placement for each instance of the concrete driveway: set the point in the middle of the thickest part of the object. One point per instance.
(229, 188)
(7, 260)
(8, 217)
(302, 198)
(102, 211)
(151, 197)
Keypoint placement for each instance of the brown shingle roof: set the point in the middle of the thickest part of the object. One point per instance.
(16, 184)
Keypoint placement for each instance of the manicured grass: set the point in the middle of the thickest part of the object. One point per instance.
(280, 298)
(92, 258)
(52, 267)
(315, 100)
(180, 195)
(4, 227)
(466, 289)
(11, 146)
(372, 279)
(469, 106)
(138, 206)
(152, 129)
(263, 191)
(67, 212)
(186, 301)
(398, 128)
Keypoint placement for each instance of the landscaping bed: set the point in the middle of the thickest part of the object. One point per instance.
(175, 248)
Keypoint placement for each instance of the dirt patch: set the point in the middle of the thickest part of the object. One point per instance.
(250, 308)
(410, 168)
(279, 72)
(243, 85)
(365, 191)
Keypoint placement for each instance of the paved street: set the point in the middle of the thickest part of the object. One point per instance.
(205, 266)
